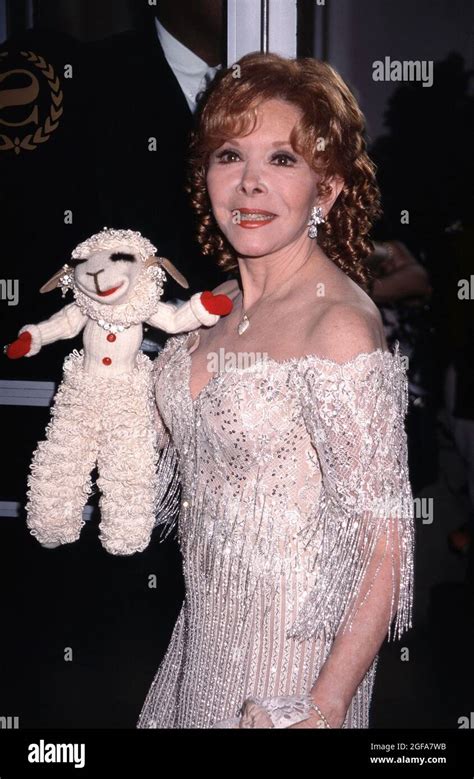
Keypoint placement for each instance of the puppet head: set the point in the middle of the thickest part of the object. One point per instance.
(107, 266)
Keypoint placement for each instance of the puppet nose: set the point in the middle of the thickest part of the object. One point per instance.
(88, 273)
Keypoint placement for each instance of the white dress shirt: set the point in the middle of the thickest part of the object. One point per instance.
(192, 73)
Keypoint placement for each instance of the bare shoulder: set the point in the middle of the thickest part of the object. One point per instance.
(347, 328)
(229, 287)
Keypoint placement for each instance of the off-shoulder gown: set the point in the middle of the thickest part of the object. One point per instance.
(293, 473)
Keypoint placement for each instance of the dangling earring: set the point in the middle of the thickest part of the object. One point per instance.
(66, 280)
(315, 220)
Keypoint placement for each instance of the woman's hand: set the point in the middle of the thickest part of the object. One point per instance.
(334, 715)
(283, 712)
(254, 716)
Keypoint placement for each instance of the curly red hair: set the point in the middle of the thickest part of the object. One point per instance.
(329, 136)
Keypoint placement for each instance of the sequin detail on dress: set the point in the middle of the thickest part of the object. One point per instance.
(294, 473)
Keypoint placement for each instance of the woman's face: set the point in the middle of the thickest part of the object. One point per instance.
(261, 172)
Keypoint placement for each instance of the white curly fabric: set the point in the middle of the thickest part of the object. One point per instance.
(108, 421)
(110, 239)
(142, 302)
(104, 414)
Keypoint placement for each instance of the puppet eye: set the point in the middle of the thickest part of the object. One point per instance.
(116, 256)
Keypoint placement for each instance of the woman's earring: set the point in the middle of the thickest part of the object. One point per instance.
(315, 220)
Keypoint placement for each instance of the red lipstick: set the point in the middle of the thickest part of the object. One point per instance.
(254, 217)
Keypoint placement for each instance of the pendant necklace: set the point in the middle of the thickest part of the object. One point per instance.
(243, 324)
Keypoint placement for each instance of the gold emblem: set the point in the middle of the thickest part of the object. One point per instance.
(15, 97)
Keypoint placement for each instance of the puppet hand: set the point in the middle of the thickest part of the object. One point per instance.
(216, 304)
(20, 347)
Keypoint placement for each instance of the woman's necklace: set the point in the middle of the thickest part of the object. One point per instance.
(243, 324)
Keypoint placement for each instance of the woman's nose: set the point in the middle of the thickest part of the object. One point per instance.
(251, 181)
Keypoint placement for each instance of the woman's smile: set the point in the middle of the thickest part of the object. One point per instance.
(250, 218)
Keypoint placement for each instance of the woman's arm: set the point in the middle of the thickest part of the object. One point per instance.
(355, 417)
(353, 652)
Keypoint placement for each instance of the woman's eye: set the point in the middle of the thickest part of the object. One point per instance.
(223, 155)
(287, 157)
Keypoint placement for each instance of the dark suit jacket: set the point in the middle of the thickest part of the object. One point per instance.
(131, 96)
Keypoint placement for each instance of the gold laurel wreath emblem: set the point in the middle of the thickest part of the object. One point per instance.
(42, 134)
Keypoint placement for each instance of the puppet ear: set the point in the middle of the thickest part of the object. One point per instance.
(168, 266)
(53, 281)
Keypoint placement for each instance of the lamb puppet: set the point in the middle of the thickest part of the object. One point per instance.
(104, 410)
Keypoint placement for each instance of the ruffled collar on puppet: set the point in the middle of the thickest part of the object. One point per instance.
(142, 303)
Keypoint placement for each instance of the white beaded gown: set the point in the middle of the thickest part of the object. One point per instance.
(295, 486)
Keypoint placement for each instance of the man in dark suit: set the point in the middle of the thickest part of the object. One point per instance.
(140, 90)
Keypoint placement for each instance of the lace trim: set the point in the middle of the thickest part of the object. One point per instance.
(143, 301)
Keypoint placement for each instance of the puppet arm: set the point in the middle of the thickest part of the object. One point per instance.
(65, 323)
(203, 308)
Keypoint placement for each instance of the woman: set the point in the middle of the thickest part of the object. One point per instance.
(296, 524)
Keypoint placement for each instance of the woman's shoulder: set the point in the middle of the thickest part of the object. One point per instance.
(348, 352)
(345, 329)
(347, 324)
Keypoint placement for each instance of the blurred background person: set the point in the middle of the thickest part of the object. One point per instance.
(401, 289)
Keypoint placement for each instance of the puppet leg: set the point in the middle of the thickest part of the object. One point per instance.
(60, 481)
(127, 463)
